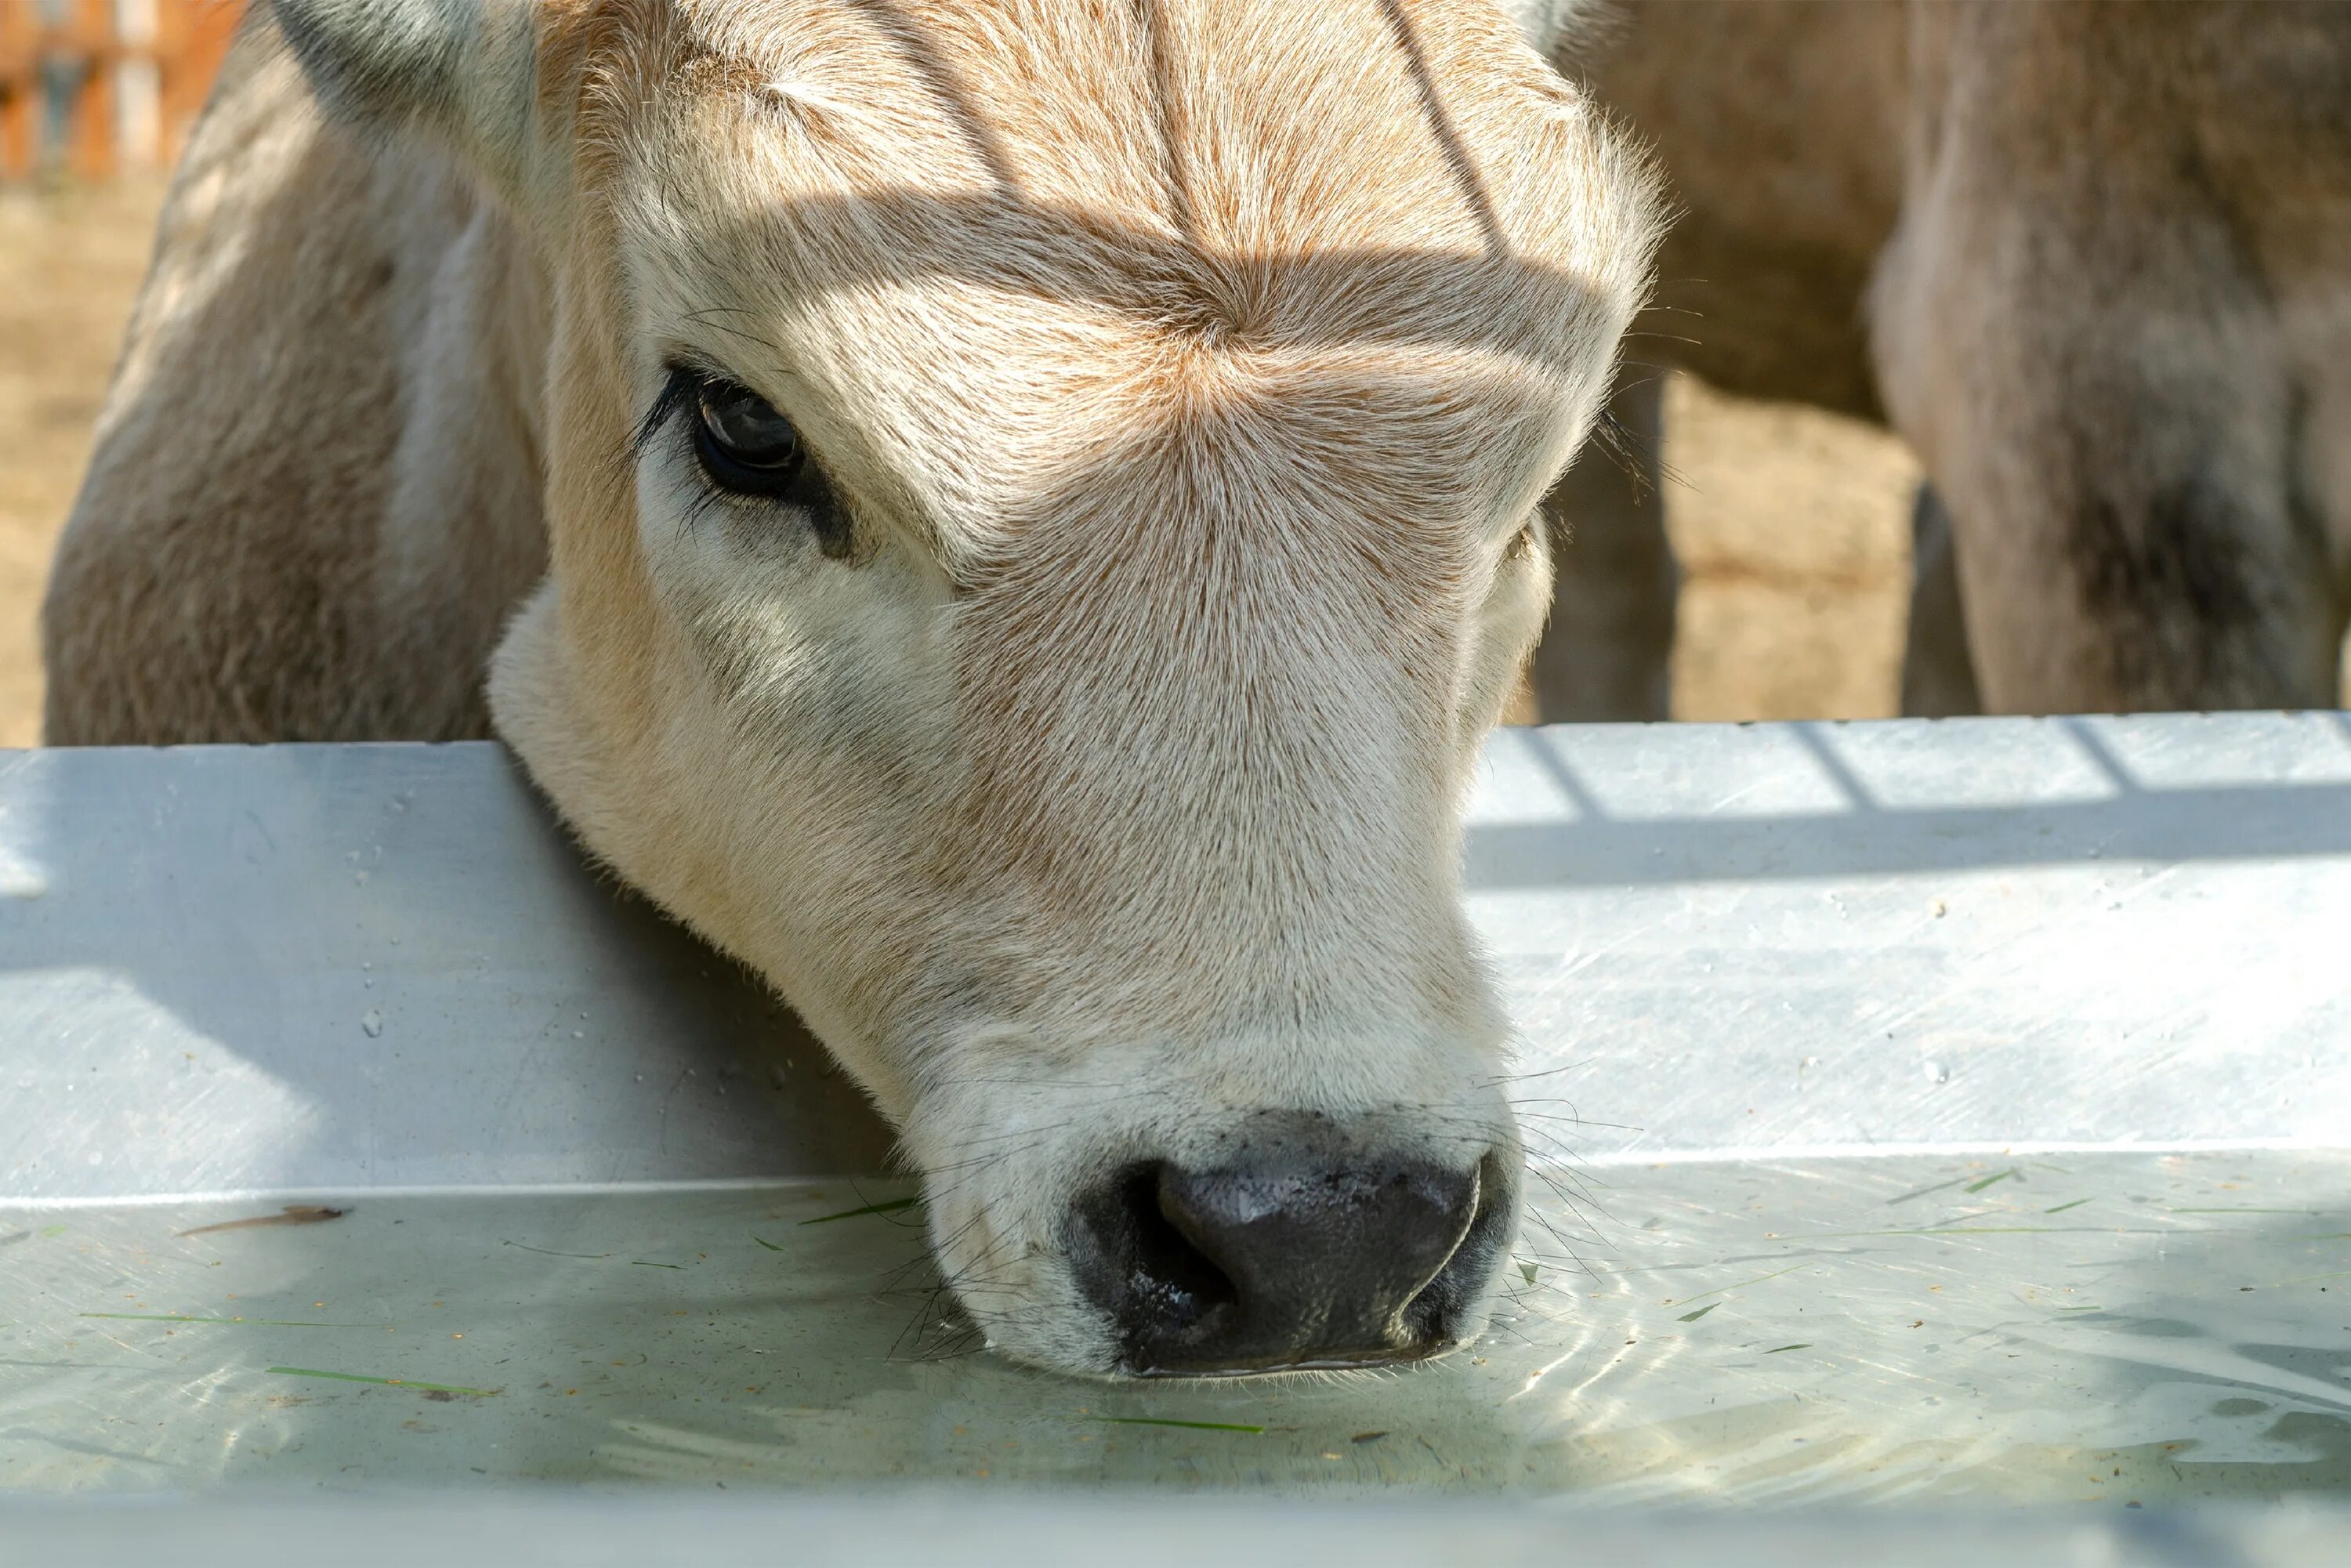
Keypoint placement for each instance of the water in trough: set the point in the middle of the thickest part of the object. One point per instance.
(2115, 1327)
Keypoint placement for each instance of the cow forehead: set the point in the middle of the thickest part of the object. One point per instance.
(1225, 119)
(1148, 137)
(1056, 222)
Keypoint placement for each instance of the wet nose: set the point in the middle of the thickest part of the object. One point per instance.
(1289, 1262)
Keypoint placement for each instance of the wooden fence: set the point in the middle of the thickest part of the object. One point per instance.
(96, 87)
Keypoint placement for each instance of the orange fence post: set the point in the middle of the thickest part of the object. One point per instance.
(19, 88)
(97, 87)
(193, 39)
(86, 38)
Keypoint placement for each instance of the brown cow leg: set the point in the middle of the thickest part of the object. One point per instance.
(1939, 673)
(2091, 333)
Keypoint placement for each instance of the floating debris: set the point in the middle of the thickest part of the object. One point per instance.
(292, 1214)
(1188, 1426)
(382, 1382)
(545, 1253)
(244, 1322)
(894, 1206)
(1925, 1191)
(1743, 1284)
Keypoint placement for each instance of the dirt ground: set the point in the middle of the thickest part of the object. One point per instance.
(1792, 526)
(70, 261)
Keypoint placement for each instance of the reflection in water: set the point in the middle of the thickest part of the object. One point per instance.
(2123, 1327)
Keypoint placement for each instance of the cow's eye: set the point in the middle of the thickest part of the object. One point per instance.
(745, 444)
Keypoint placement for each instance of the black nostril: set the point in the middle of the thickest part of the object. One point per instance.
(1292, 1260)
(1166, 1272)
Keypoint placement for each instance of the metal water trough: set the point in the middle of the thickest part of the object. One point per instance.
(238, 974)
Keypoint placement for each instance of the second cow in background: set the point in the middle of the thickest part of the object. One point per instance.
(2091, 260)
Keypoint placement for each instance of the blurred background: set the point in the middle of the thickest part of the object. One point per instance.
(1792, 526)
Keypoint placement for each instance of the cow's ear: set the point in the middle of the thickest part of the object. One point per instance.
(464, 72)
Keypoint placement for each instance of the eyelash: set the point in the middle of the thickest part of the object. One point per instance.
(676, 392)
(683, 392)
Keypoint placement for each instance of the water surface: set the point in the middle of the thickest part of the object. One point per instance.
(2126, 1328)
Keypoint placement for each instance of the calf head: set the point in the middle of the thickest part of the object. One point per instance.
(1042, 503)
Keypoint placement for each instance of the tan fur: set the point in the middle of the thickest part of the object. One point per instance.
(304, 520)
(2092, 258)
(1190, 370)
